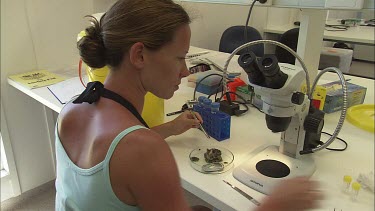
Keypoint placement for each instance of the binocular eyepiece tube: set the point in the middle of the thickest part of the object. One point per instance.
(248, 62)
(263, 72)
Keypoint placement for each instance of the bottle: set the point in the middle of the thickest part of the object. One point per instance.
(199, 106)
(346, 183)
(215, 106)
(207, 105)
(355, 190)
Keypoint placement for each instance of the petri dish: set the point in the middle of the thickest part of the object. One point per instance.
(214, 166)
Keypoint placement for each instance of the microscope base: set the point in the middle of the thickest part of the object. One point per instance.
(266, 169)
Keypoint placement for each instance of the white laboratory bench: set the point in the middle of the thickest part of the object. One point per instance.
(249, 134)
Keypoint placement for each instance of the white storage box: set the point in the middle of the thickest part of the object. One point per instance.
(336, 57)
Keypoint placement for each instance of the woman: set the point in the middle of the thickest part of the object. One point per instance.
(106, 158)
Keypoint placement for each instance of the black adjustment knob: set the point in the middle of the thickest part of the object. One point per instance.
(313, 124)
(298, 98)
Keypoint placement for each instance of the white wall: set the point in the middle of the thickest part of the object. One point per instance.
(211, 19)
(37, 34)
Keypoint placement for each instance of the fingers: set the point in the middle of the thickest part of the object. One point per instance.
(186, 121)
(189, 115)
(198, 117)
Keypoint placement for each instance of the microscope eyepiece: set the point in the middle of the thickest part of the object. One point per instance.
(248, 62)
(267, 62)
(247, 59)
(274, 78)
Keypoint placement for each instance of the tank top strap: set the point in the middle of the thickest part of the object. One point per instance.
(118, 138)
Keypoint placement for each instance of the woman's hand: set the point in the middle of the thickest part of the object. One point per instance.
(184, 122)
(295, 194)
(181, 124)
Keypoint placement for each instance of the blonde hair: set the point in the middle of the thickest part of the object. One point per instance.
(152, 22)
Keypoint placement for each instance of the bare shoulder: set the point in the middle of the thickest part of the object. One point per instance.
(143, 142)
(69, 117)
(152, 179)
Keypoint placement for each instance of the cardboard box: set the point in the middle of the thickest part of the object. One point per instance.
(329, 97)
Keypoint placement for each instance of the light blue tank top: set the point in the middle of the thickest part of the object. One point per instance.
(87, 189)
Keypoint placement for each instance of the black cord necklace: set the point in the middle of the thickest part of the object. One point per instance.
(95, 90)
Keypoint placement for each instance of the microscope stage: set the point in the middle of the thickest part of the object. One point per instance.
(266, 169)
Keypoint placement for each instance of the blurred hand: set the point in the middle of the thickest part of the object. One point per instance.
(184, 122)
(293, 195)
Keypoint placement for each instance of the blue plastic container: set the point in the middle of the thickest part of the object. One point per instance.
(219, 126)
(209, 90)
(199, 106)
(216, 123)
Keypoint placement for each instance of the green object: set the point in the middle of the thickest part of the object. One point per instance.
(244, 89)
(245, 92)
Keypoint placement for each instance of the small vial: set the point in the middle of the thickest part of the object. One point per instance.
(199, 106)
(346, 183)
(207, 103)
(200, 100)
(215, 106)
(355, 190)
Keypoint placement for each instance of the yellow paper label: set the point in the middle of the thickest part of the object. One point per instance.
(36, 79)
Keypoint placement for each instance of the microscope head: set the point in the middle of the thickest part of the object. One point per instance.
(277, 84)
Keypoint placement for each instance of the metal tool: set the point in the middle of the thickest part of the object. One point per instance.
(174, 113)
(200, 125)
(243, 193)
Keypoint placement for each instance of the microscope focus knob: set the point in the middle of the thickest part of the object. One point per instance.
(298, 98)
(313, 124)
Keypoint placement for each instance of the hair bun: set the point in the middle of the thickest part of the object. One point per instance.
(91, 46)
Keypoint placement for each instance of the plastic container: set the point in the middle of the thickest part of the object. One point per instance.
(336, 57)
(217, 123)
(346, 183)
(206, 110)
(362, 116)
(199, 106)
(215, 106)
(355, 190)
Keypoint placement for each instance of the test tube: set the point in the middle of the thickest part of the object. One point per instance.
(200, 100)
(199, 106)
(215, 106)
(355, 190)
(207, 104)
(346, 183)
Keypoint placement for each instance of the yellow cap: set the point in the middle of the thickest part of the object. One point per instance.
(356, 186)
(347, 179)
